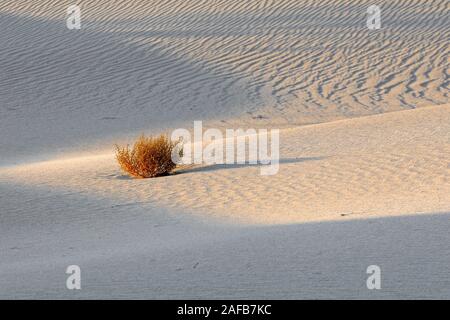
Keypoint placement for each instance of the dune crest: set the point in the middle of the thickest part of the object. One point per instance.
(383, 165)
(364, 174)
(145, 65)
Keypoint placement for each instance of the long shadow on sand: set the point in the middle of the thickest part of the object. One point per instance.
(160, 253)
(215, 167)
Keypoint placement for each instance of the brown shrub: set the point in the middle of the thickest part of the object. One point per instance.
(149, 157)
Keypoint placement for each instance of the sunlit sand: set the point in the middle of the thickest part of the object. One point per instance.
(364, 119)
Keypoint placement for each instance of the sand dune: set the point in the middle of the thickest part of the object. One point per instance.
(145, 65)
(390, 164)
(365, 149)
(146, 252)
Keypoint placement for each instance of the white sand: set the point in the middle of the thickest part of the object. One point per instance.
(365, 149)
(390, 164)
(153, 65)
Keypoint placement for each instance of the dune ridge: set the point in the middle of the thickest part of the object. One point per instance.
(383, 165)
(145, 65)
(364, 173)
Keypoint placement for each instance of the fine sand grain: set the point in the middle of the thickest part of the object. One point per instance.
(364, 176)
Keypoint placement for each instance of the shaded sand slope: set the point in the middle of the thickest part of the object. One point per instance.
(139, 65)
(141, 251)
(389, 164)
(375, 143)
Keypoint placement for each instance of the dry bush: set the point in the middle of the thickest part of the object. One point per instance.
(149, 157)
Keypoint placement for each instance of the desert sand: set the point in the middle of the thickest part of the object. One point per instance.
(364, 178)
